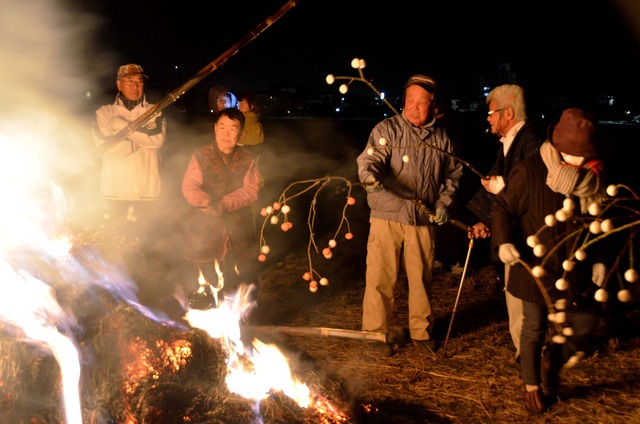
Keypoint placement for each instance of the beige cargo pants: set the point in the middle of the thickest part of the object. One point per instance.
(390, 245)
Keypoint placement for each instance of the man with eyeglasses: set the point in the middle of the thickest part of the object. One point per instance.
(519, 138)
(130, 175)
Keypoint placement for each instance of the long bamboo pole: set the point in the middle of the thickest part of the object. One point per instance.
(212, 66)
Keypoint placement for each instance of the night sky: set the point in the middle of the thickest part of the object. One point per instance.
(555, 47)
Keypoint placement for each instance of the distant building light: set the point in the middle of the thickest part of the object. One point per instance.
(382, 95)
(338, 110)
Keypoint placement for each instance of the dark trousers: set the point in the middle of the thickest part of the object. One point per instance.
(583, 321)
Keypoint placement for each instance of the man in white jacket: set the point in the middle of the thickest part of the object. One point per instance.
(130, 176)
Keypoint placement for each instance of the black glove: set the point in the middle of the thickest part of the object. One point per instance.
(152, 126)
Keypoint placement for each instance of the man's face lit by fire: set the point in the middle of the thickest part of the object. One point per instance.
(131, 87)
(227, 133)
(418, 105)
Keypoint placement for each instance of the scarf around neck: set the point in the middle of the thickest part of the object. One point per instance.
(586, 181)
(130, 104)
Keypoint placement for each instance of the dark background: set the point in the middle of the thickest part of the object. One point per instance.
(556, 48)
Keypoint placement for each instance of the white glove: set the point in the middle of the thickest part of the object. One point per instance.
(508, 253)
(598, 272)
(440, 217)
(371, 184)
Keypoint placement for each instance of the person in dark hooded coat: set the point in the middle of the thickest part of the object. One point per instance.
(550, 190)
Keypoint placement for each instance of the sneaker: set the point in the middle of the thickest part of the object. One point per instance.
(381, 349)
(429, 345)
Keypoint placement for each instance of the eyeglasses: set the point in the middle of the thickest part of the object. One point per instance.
(491, 112)
(133, 83)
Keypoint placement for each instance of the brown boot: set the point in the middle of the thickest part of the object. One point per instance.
(534, 401)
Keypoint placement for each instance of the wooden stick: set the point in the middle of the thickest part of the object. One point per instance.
(419, 203)
(391, 337)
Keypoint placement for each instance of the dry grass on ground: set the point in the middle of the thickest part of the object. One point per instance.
(472, 381)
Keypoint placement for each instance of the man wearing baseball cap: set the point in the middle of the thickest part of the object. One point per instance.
(130, 176)
(401, 171)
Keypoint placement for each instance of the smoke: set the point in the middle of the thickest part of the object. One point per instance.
(46, 93)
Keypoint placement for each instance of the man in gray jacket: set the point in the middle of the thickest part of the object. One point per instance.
(408, 162)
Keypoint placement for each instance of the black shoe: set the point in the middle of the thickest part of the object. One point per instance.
(430, 345)
(381, 349)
